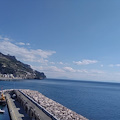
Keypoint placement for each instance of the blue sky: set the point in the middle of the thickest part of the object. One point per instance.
(71, 39)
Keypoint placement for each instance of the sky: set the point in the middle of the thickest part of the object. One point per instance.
(68, 39)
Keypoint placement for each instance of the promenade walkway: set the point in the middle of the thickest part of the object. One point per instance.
(16, 110)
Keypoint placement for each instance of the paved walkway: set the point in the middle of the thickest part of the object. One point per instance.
(16, 111)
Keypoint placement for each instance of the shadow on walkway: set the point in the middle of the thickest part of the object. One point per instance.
(21, 111)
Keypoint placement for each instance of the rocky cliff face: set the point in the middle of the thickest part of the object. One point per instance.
(11, 67)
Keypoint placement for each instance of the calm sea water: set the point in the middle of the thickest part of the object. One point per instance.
(94, 100)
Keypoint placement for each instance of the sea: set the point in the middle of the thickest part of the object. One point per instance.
(93, 100)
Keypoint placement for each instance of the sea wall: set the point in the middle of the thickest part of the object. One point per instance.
(58, 111)
(38, 106)
(31, 108)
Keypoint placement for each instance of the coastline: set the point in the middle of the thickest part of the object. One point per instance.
(10, 79)
(17, 78)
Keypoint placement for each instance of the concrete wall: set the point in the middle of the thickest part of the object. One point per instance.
(31, 108)
(39, 107)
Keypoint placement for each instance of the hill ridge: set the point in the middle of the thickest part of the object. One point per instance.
(10, 67)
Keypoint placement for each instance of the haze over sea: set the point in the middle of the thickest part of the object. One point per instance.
(94, 100)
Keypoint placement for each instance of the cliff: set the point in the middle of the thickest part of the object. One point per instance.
(10, 67)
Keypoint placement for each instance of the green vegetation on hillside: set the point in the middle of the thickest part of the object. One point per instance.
(11, 67)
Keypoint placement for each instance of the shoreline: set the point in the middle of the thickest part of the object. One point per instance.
(8, 79)
(15, 79)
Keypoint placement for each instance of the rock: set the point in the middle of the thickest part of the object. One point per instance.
(57, 110)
